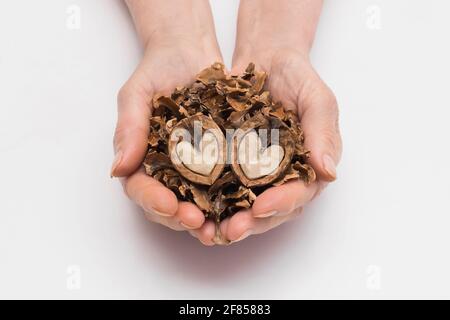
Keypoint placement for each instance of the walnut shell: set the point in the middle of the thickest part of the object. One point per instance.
(286, 141)
(208, 126)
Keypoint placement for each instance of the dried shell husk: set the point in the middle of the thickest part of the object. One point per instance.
(230, 102)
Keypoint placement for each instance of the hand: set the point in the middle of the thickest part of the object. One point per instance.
(170, 60)
(292, 81)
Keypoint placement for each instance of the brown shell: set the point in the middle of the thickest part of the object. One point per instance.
(286, 142)
(207, 123)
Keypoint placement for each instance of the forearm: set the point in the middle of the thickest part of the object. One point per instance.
(161, 21)
(283, 24)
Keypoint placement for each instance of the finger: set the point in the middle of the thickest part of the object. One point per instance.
(189, 215)
(319, 120)
(264, 225)
(130, 138)
(239, 226)
(281, 200)
(223, 231)
(150, 194)
(205, 234)
(220, 233)
(170, 222)
(243, 224)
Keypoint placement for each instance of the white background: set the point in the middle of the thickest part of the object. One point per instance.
(381, 231)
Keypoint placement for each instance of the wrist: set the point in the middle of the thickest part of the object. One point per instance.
(266, 57)
(183, 22)
(197, 41)
(266, 27)
(252, 41)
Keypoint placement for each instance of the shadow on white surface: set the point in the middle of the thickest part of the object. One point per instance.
(218, 263)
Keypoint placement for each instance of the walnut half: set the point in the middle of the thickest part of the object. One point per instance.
(253, 165)
(197, 149)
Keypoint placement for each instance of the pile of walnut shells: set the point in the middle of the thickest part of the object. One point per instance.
(219, 180)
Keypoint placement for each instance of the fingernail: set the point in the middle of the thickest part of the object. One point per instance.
(187, 226)
(154, 211)
(160, 213)
(243, 236)
(329, 166)
(208, 244)
(117, 160)
(267, 214)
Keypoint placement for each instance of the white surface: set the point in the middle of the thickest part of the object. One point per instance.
(381, 231)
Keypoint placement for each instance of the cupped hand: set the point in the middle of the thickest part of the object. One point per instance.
(292, 81)
(170, 63)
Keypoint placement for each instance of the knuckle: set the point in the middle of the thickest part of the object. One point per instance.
(331, 103)
(332, 132)
(118, 138)
(124, 93)
(331, 139)
(130, 135)
(332, 135)
(119, 133)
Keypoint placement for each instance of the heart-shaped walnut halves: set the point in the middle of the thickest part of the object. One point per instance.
(197, 149)
(254, 164)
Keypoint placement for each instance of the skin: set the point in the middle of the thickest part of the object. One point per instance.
(277, 38)
(167, 30)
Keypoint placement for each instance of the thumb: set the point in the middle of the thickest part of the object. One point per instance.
(131, 136)
(319, 120)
